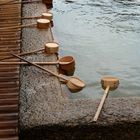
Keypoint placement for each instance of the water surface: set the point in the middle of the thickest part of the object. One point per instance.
(104, 38)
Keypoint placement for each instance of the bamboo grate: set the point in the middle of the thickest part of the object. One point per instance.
(9, 74)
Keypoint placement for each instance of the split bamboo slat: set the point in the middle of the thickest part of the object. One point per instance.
(9, 74)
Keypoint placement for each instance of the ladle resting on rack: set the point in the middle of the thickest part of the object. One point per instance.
(74, 84)
(49, 48)
(65, 62)
(108, 84)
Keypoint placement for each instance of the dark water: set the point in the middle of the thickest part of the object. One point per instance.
(104, 38)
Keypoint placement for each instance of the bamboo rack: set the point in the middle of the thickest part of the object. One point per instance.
(9, 74)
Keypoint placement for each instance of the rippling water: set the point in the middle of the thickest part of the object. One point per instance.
(104, 38)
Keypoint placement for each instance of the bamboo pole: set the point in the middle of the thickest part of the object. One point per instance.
(101, 104)
(22, 2)
(22, 54)
(25, 63)
(9, 39)
(15, 27)
(16, 18)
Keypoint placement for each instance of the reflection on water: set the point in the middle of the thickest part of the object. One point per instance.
(103, 36)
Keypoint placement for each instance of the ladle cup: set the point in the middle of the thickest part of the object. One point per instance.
(69, 72)
(67, 65)
(67, 69)
(51, 47)
(74, 84)
(47, 15)
(109, 83)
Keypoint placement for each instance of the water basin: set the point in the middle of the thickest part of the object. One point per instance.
(103, 36)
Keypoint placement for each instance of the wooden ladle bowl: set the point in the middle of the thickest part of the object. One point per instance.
(74, 84)
(51, 47)
(67, 63)
(43, 23)
(47, 15)
(110, 81)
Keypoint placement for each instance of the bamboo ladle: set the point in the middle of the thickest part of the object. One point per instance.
(109, 83)
(74, 84)
(66, 64)
(50, 48)
(46, 15)
(38, 63)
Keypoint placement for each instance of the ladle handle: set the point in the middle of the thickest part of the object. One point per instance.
(44, 69)
(19, 26)
(2, 2)
(16, 18)
(22, 2)
(21, 54)
(101, 104)
(25, 63)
